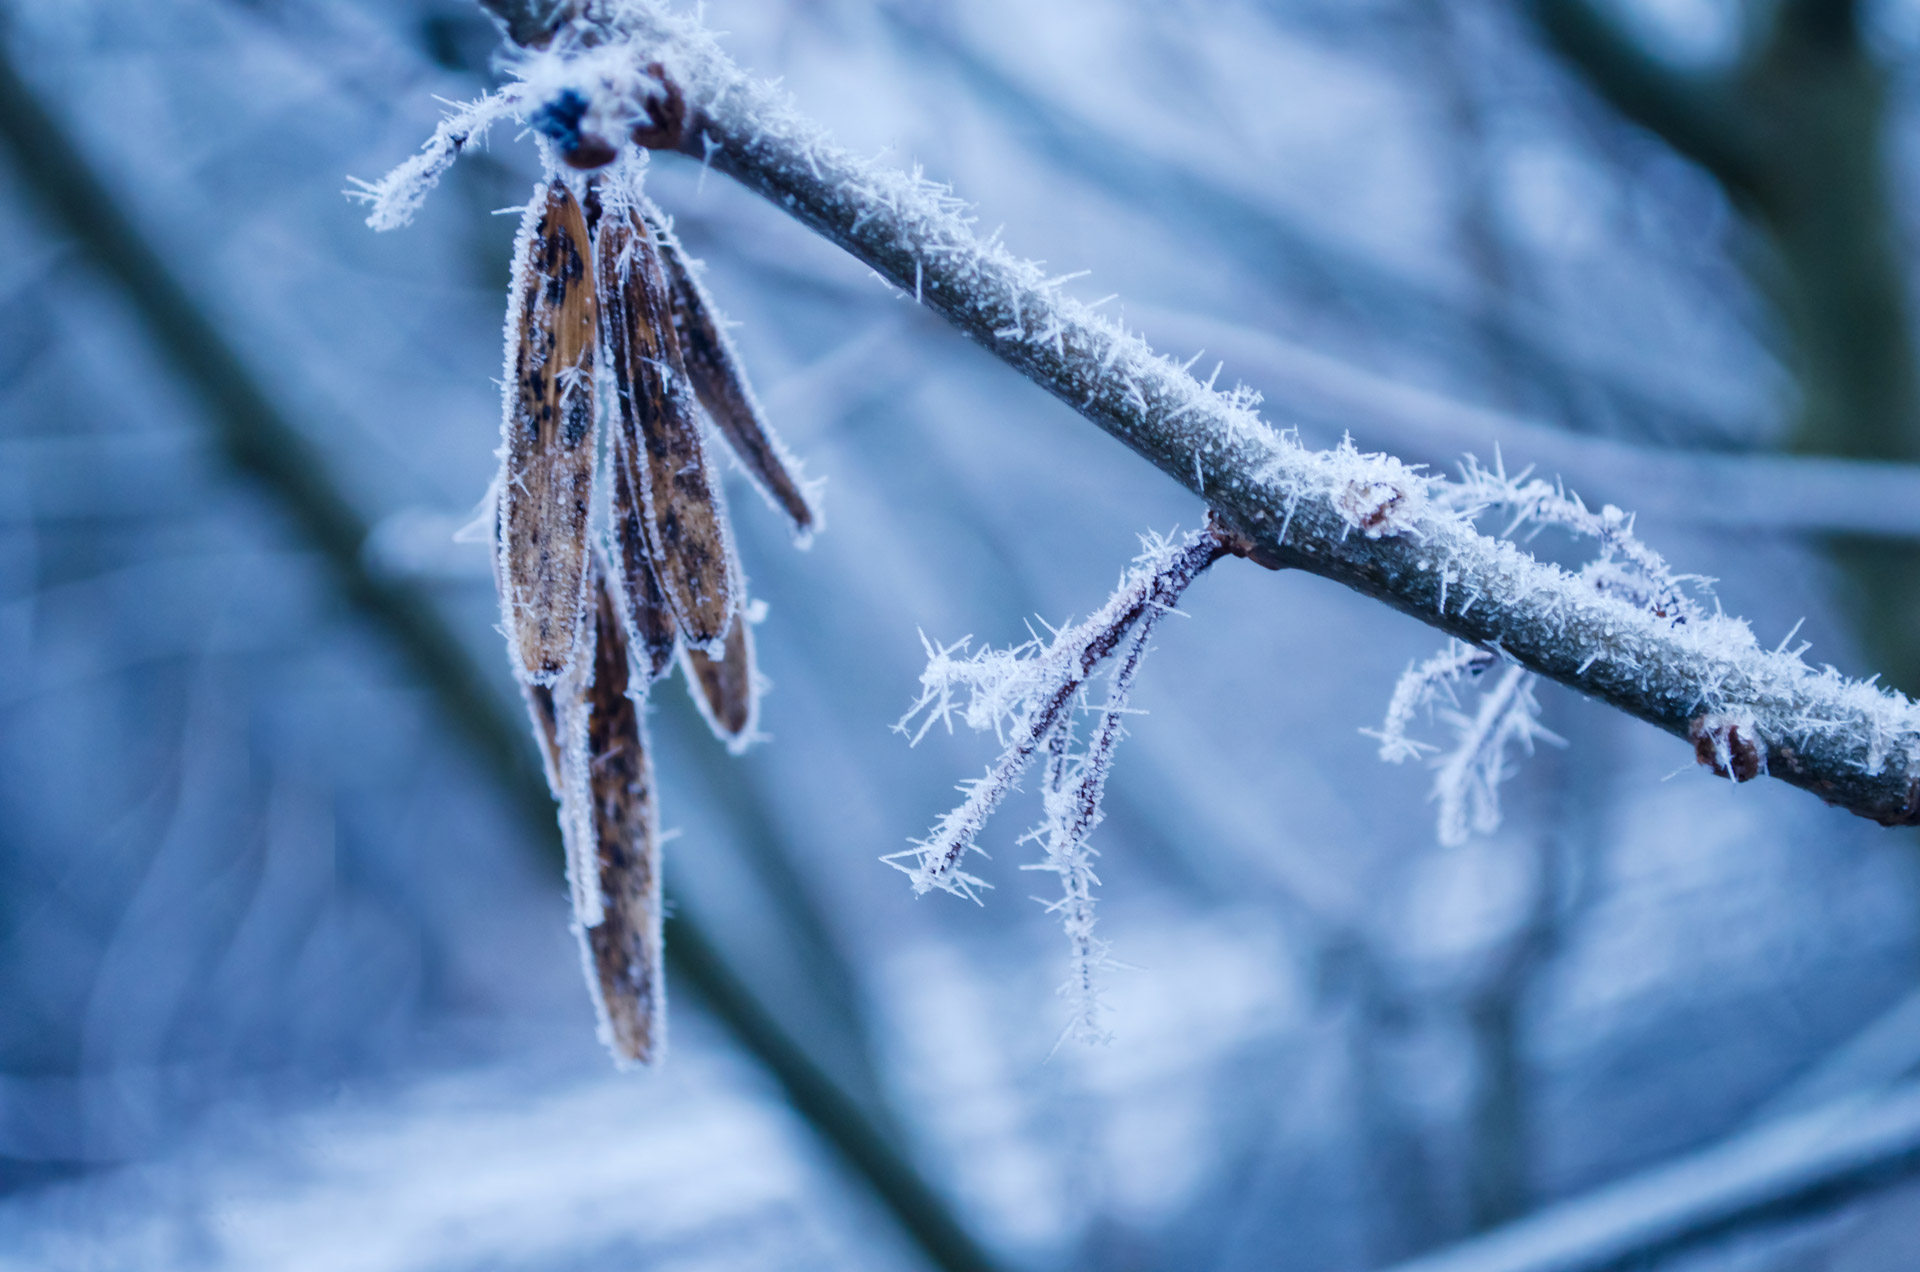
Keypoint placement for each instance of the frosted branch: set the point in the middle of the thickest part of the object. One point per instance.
(1072, 803)
(1419, 686)
(1023, 694)
(1467, 784)
(1854, 744)
(394, 198)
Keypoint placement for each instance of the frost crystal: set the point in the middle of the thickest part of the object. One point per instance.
(1418, 686)
(398, 195)
(1467, 785)
(1467, 781)
(573, 94)
(1028, 695)
(1625, 567)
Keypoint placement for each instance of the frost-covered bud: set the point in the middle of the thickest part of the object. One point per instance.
(1729, 745)
(665, 123)
(1373, 507)
(565, 120)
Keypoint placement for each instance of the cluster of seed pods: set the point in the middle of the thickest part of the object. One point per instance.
(604, 304)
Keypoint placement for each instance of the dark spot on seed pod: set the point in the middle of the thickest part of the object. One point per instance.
(579, 420)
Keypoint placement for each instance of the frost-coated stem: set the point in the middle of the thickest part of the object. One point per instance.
(1363, 521)
(1073, 800)
(1468, 782)
(1034, 698)
(1415, 689)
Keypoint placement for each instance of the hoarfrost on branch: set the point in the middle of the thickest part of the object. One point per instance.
(1620, 631)
(1028, 695)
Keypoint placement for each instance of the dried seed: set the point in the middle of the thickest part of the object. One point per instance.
(642, 603)
(592, 739)
(723, 389)
(725, 688)
(546, 485)
(628, 981)
(657, 436)
(560, 719)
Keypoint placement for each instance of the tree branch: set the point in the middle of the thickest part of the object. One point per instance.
(1366, 522)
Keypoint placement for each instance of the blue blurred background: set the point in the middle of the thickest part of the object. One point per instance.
(285, 974)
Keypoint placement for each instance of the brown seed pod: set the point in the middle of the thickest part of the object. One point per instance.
(546, 480)
(722, 385)
(560, 716)
(642, 603)
(725, 688)
(657, 436)
(593, 740)
(628, 966)
(560, 720)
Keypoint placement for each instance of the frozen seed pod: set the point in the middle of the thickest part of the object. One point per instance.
(723, 389)
(547, 452)
(726, 688)
(656, 436)
(626, 964)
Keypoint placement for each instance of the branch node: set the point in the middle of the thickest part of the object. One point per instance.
(1373, 507)
(666, 128)
(1729, 745)
(1234, 543)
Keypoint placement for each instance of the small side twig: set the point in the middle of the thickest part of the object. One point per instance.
(1023, 693)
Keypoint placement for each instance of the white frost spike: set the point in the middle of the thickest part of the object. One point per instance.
(1626, 567)
(1023, 692)
(1419, 685)
(395, 197)
(1075, 788)
(1468, 782)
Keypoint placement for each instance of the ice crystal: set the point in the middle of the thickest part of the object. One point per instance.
(397, 196)
(1028, 695)
(1419, 686)
(1506, 718)
(1071, 799)
(1467, 783)
(1625, 567)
